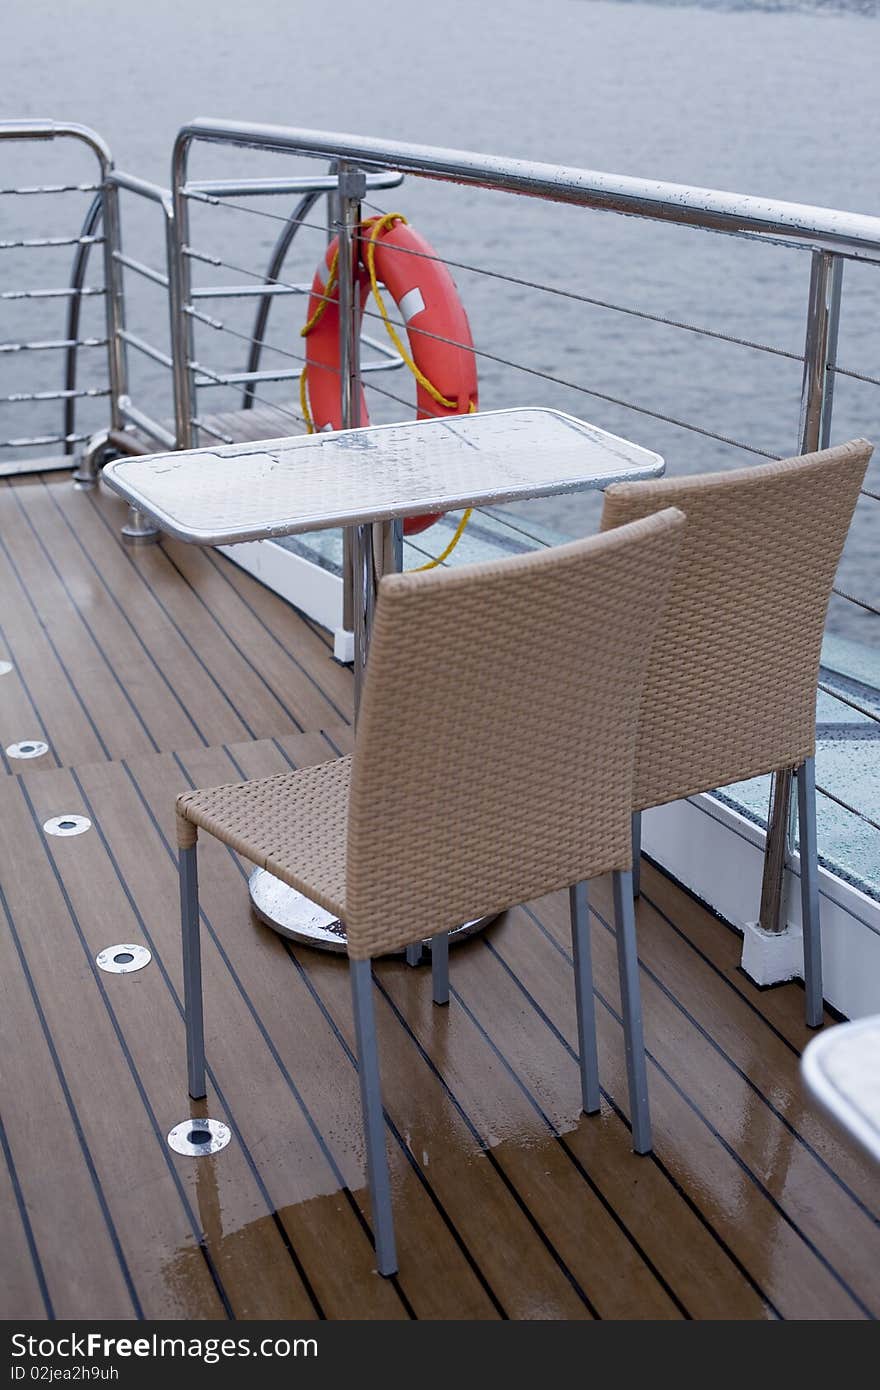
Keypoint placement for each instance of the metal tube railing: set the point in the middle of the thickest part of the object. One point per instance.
(851, 234)
(102, 209)
(832, 236)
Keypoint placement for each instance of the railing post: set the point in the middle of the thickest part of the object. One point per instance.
(180, 293)
(817, 392)
(113, 300)
(358, 551)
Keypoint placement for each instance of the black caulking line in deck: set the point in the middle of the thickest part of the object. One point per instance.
(313, 1127)
(729, 1149)
(75, 1120)
(572, 1156)
(658, 1162)
(26, 1224)
(277, 640)
(194, 1222)
(87, 625)
(338, 1175)
(401, 1142)
(102, 579)
(483, 1146)
(232, 642)
(177, 628)
(33, 704)
(801, 1139)
(438, 1205)
(80, 701)
(126, 1052)
(491, 1157)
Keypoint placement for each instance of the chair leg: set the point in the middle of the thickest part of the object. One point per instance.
(631, 1004)
(637, 852)
(192, 971)
(585, 1004)
(806, 793)
(374, 1123)
(440, 967)
(414, 953)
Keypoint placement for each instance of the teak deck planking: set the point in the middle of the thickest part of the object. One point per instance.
(151, 670)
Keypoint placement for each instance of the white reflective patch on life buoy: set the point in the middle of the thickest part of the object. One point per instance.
(411, 304)
(322, 273)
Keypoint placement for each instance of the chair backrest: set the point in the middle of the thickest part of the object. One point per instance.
(496, 736)
(731, 686)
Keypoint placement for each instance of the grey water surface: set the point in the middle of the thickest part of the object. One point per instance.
(773, 99)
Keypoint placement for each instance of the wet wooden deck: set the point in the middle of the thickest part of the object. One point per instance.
(149, 671)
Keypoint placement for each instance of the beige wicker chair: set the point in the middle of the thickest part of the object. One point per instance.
(493, 763)
(731, 686)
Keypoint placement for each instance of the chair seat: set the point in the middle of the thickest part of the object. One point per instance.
(295, 825)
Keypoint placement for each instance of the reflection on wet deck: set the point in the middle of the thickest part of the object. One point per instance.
(148, 672)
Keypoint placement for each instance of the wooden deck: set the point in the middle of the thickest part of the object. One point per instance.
(149, 671)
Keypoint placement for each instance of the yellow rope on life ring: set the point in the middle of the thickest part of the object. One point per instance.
(378, 225)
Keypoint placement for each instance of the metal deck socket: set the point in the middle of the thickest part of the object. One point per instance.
(198, 1137)
(67, 825)
(295, 916)
(29, 748)
(123, 959)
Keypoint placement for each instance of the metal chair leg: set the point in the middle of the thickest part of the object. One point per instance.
(192, 971)
(806, 794)
(637, 852)
(440, 967)
(585, 1004)
(374, 1123)
(414, 953)
(631, 1005)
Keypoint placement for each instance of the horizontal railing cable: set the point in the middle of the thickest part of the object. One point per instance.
(219, 326)
(845, 700)
(585, 390)
(846, 807)
(41, 439)
(68, 292)
(854, 376)
(22, 397)
(264, 400)
(201, 424)
(598, 303)
(52, 188)
(32, 243)
(50, 344)
(859, 602)
(254, 212)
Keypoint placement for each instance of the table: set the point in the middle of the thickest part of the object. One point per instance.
(368, 480)
(841, 1069)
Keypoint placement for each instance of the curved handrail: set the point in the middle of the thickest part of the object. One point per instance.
(273, 270)
(77, 279)
(29, 129)
(846, 233)
(54, 130)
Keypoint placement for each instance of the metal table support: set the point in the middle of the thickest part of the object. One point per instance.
(367, 480)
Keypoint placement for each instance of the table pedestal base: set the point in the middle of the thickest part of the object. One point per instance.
(292, 914)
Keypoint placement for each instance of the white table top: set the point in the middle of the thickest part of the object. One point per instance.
(841, 1068)
(246, 492)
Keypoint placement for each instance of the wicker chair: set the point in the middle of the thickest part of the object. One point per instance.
(731, 686)
(493, 763)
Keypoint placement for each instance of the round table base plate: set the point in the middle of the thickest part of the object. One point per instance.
(293, 915)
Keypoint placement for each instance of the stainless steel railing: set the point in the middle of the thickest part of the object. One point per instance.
(831, 237)
(130, 423)
(102, 214)
(358, 167)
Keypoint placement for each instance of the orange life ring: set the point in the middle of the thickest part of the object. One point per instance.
(427, 299)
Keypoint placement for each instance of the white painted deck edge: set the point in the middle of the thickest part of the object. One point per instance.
(704, 844)
(718, 855)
